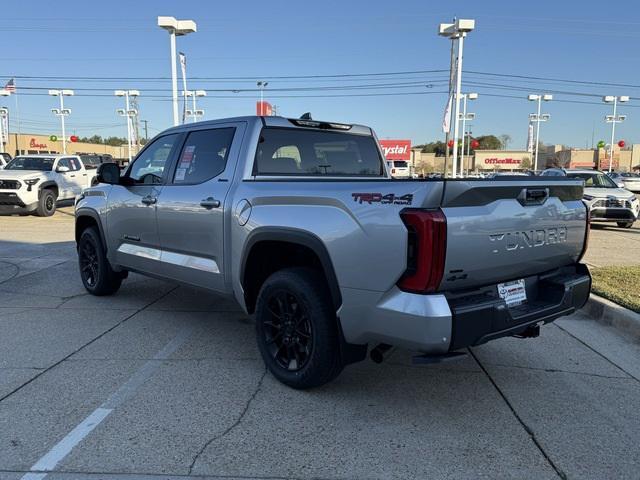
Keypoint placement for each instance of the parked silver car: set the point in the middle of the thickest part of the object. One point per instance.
(607, 202)
(630, 181)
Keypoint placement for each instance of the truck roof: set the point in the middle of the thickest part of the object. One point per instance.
(275, 121)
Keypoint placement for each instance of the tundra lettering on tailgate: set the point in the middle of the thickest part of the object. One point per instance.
(389, 198)
(510, 241)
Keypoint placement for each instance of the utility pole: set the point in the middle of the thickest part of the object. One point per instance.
(457, 31)
(446, 138)
(146, 130)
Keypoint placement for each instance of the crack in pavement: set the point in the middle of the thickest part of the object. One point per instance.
(557, 370)
(233, 426)
(526, 427)
(597, 352)
(20, 387)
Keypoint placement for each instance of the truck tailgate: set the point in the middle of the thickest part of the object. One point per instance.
(507, 229)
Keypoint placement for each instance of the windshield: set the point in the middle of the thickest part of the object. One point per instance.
(400, 164)
(44, 164)
(594, 180)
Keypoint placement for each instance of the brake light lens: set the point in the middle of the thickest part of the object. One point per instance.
(426, 250)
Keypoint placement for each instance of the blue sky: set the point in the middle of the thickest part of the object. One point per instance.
(570, 40)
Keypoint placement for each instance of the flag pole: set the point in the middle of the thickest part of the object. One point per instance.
(18, 138)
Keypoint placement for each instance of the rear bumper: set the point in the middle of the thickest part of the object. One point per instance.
(482, 317)
(440, 323)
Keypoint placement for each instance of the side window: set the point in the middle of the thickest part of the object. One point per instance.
(149, 166)
(64, 162)
(204, 156)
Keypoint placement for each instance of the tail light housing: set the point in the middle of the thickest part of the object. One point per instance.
(587, 231)
(426, 250)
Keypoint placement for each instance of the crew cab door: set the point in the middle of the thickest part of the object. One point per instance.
(64, 179)
(191, 206)
(132, 229)
(77, 177)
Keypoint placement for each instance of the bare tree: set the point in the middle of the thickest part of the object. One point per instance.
(505, 139)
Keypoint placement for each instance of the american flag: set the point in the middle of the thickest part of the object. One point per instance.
(11, 85)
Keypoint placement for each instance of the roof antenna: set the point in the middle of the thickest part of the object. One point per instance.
(306, 116)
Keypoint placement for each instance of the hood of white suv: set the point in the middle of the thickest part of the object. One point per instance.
(22, 174)
(596, 192)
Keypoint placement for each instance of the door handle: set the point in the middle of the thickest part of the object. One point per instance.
(72, 176)
(210, 203)
(149, 200)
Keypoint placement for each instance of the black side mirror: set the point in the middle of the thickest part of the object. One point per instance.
(108, 173)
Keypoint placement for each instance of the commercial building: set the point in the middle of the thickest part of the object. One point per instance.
(27, 143)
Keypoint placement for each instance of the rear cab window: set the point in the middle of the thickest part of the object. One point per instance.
(304, 153)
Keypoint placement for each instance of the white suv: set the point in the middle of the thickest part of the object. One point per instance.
(34, 183)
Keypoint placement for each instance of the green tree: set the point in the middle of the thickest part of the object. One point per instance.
(489, 142)
(505, 139)
(526, 163)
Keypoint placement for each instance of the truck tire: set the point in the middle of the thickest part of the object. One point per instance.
(297, 330)
(97, 275)
(625, 224)
(46, 203)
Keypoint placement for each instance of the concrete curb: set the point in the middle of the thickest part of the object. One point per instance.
(609, 313)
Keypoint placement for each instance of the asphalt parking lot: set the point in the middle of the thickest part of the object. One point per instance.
(162, 381)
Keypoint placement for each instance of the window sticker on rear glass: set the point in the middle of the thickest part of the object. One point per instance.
(180, 174)
(187, 156)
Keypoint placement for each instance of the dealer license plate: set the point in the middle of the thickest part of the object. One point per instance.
(513, 293)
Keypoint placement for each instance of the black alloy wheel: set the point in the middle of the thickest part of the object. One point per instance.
(287, 331)
(89, 264)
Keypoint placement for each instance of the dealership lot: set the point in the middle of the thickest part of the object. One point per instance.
(164, 381)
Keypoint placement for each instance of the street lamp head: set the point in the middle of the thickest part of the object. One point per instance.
(134, 93)
(446, 29)
(623, 98)
(119, 93)
(178, 27)
(545, 116)
(186, 26)
(65, 111)
(622, 118)
(608, 98)
(120, 111)
(465, 25)
(472, 96)
(533, 97)
(168, 23)
(4, 93)
(54, 93)
(68, 93)
(201, 93)
(55, 111)
(547, 97)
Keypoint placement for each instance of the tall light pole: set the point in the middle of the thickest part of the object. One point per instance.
(194, 113)
(262, 85)
(457, 31)
(176, 28)
(613, 119)
(464, 117)
(129, 113)
(538, 117)
(62, 112)
(4, 113)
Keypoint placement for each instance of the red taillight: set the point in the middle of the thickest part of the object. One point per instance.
(426, 250)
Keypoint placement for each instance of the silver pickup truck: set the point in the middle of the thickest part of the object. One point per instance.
(301, 223)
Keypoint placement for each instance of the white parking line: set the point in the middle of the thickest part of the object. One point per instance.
(53, 457)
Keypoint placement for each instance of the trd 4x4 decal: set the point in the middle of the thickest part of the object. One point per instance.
(389, 198)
